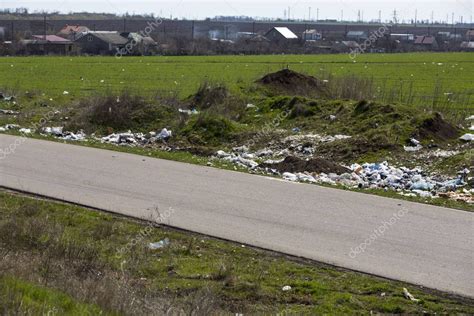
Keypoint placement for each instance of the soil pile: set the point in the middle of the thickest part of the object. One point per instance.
(437, 128)
(289, 81)
(317, 165)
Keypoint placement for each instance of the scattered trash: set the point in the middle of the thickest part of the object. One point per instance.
(332, 117)
(467, 137)
(470, 118)
(59, 133)
(65, 92)
(25, 130)
(408, 296)
(251, 106)
(189, 112)
(412, 148)
(286, 288)
(9, 112)
(6, 98)
(164, 134)
(159, 245)
(55, 131)
(296, 130)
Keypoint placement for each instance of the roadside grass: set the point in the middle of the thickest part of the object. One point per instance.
(18, 297)
(62, 257)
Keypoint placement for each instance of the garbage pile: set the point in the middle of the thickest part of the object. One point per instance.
(64, 135)
(133, 139)
(9, 127)
(366, 176)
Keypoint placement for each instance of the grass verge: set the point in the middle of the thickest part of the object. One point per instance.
(70, 259)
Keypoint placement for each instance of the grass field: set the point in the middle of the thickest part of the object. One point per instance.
(59, 259)
(424, 74)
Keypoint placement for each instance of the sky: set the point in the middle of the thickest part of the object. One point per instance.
(300, 9)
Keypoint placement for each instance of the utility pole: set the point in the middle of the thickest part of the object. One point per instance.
(317, 14)
(342, 15)
(452, 18)
(289, 14)
(309, 14)
(380, 16)
(44, 26)
(416, 15)
(432, 17)
(124, 25)
(192, 31)
(13, 33)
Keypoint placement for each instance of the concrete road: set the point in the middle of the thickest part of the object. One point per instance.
(420, 244)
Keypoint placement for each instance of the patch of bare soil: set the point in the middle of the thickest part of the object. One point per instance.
(437, 128)
(317, 165)
(292, 82)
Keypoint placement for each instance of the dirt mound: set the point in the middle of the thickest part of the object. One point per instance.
(437, 128)
(317, 165)
(290, 81)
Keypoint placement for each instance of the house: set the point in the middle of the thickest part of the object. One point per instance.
(101, 43)
(281, 34)
(47, 45)
(470, 35)
(467, 46)
(139, 44)
(357, 35)
(402, 38)
(312, 35)
(72, 32)
(428, 42)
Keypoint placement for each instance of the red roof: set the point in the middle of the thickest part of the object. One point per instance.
(68, 29)
(51, 38)
(425, 40)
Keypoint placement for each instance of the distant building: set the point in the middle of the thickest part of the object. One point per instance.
(467, 46)
(357, 35)
(2, 34)
(142, 45)
(72, 32)
(281, 34)
(428, 42)
(47, 45)
(101, 43)
(312, 35)
(470, 35)
(403, 37)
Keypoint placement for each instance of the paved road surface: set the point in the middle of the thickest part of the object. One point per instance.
(426, 245)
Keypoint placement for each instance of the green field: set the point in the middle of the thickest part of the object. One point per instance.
(424, 74)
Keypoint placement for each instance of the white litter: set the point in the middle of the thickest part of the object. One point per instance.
(164, 134)
(25, 130)
(467, 137)
(286, 288)
(159, 245)
(409, 296)
(65, 92)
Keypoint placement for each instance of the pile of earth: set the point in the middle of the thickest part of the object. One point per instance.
(293, 83)
(317, 165)
(436, 128)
